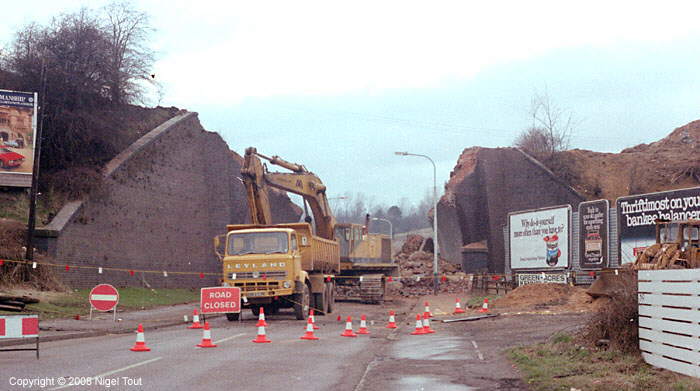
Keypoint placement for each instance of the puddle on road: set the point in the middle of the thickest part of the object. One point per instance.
(429, 383)
(432, 347)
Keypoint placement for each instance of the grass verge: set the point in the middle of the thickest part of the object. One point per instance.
(68, 304)
(563, 364)
(478, 301)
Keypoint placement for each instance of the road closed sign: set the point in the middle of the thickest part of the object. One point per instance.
(220, 299)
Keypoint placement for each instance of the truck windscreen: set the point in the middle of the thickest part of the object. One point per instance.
(257, 243)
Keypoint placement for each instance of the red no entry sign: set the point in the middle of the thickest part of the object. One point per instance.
(104, 297)
(220, 300)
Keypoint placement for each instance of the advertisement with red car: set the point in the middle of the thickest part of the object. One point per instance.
(18, 112)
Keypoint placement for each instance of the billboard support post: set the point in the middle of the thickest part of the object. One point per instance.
(31, 224)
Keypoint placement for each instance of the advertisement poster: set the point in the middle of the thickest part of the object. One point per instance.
(636, 216)
(18, 112)
(539, 239)
(593, 234)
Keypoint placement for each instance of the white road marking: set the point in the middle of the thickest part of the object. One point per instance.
(227, 338)
(478, 353)
(138, 364)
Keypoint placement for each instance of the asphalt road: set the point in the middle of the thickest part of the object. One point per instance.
(459, 356)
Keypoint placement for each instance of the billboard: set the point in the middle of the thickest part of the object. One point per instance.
(593, 234)
(18, 119)
(636, 215)
(539, 239)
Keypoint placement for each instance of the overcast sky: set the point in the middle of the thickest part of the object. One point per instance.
(339, 86)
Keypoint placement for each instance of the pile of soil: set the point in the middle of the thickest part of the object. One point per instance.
(547, 296)
(670, 163)
(416, 269)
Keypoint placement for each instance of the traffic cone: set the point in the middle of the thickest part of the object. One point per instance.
(427, 311)
(140, 345)
(419, 326)
(426, 325)
(195, 321)
(458, 307)
(363, 325)
(485, 306)
(206, 337)
(392, 321)
(261, 338)
(313, 319)
(309, 330)
(348, 329)
(261, 318)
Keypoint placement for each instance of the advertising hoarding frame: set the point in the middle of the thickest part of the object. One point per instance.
(569, 211)
(22, 179)
(624, 232)
(582, 234)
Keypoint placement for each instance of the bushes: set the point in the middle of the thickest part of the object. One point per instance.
(617, 320)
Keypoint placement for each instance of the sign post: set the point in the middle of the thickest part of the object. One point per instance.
(220, 299)
(104, 297)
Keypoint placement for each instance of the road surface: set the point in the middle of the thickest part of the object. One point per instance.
(450, 359)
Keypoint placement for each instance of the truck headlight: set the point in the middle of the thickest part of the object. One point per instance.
(286, 284)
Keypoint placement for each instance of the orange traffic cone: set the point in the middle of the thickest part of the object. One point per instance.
(348, 329)
(419, 327)
(426, 325)
(309, 330)
(485, 306)
(392, 321)
(458, 307)
(313, 319)
(261, 318)
(195, 321)
(206, 338)
(261, 338)
(427, 311)
(363, 325)
(140, 345)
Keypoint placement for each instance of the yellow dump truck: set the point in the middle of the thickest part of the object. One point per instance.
(280, 266)
(297, 265)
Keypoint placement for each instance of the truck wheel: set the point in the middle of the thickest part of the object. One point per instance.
(330, 289)
(301, 303)
(321, 302)
(232, 317)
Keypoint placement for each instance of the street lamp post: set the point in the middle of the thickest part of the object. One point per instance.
(391, 226)
(435, 219)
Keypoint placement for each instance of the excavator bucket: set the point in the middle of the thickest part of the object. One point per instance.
(606, 283)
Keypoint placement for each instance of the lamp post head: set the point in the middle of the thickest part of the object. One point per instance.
(401, 153)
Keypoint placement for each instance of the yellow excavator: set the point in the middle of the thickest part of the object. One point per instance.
(677, 247)
(298, 265)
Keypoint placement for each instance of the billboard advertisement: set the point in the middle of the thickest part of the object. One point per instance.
(636, 215)
(18, 113)
(540, 239)
(593, 234)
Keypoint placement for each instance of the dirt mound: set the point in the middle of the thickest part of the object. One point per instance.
(670, 163)
(416, 270)
(540, 296)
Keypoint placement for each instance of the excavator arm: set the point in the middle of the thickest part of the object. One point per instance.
(300, 181)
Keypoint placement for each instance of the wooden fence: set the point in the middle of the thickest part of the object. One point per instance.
(669, 319)
(492, 284)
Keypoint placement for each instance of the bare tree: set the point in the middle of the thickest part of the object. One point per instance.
(551, 128)
(130, 61)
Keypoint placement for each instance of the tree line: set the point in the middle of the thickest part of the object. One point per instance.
(403, 216)
(86, 66)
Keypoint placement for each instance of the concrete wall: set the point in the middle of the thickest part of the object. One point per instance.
(486, 185)
(160, 204)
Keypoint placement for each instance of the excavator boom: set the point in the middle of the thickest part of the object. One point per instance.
(300, 181)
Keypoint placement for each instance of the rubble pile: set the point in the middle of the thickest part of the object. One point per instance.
(547, 296)
(415, 261)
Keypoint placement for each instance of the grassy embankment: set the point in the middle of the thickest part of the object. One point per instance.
(69, 304)
(563, 364)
